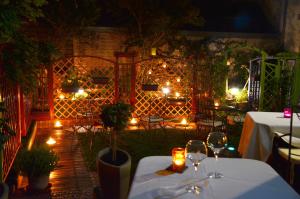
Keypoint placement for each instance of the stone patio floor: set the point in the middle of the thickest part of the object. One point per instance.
(72, 179)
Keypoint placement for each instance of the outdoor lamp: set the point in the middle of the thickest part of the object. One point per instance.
(178, 159)
(234, 91)
(153, 51)
(287, 112)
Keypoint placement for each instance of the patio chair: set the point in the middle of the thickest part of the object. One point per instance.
(152, 121)
(85, 118)
(281, 145)
(206, 119)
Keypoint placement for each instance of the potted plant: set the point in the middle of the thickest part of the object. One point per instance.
(37, 164)
(5, 133)
(114, 164)
(98, 76)
(71, 82)
(242, 99)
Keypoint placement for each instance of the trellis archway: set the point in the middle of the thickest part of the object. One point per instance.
(66, 105)
(171, 73)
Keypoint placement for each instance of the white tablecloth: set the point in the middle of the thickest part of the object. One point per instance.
(243, 178)
(258, 133)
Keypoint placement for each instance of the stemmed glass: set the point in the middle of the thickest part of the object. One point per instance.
(196, 151)
(216, 141)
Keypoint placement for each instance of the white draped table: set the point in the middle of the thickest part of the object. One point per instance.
(258, 133)
(243, 179)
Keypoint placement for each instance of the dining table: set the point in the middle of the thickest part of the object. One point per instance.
(243, 179)
(259, 130)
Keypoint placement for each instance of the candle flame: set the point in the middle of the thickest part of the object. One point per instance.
(51, 141)
(183, 121)
(133, 121)
(57, 124)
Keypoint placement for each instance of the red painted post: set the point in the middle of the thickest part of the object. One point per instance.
(195, 102)
(50, 92)
(22, 113)
(116, 79)
(132, 83)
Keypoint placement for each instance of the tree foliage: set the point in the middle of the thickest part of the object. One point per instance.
(153, 23)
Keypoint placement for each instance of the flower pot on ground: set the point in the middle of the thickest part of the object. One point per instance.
(114, 164)
(37, 164)
(114, 176)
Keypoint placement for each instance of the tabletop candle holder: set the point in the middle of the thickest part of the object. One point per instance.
(178, 159)
(287, 112)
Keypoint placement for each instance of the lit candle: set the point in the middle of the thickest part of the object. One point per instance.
(51, 141)
(178, 159)
(57, 124)
(287, 112)
(183, 121)
(133, 121)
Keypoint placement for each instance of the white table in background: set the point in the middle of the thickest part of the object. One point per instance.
(243, 179)
(258, 133)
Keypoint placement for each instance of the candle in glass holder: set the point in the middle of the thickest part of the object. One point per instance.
(178, 159)
(287, 112)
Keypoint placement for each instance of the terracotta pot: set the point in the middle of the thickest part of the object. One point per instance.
(114, 180)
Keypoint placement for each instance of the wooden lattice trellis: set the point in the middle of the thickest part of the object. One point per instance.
(66, 106)
(166, 72)
(8, 94)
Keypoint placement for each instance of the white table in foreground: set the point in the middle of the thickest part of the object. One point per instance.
(243, 179)
(258, 132)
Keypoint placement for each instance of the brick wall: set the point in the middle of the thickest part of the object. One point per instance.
(292, 30)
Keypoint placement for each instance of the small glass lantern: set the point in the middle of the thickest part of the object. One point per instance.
(178, 159)
(287, 112)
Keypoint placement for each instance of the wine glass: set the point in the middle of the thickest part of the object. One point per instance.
(196, 151)
(216, 141)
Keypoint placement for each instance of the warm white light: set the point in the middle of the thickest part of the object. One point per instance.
(133, 121)
(165, 90)
(168, 83)
(183, 121)
(234, 91)
(61, 96)
(149, 72)
(217, 104)
(177, 94)
(178, 79)
(228, 63)
(164, 65)
(80, 91)
(51, 141)
(57, 124)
